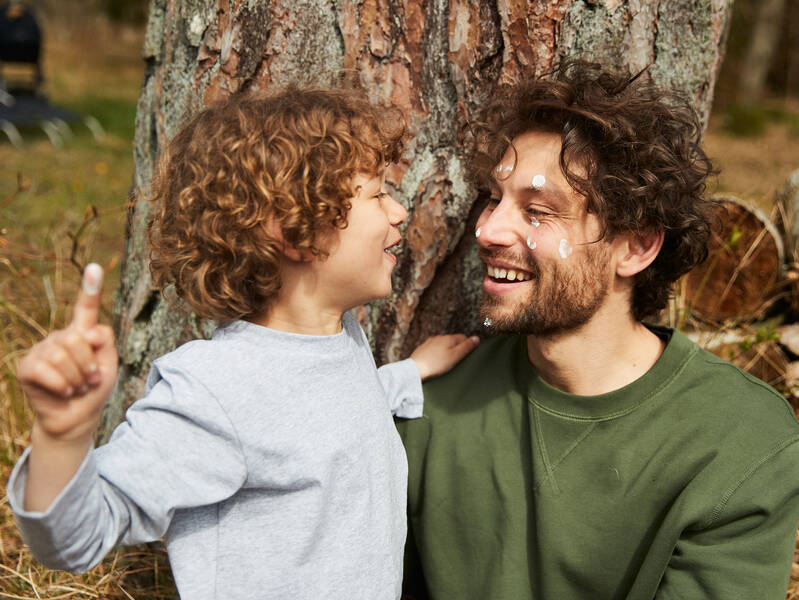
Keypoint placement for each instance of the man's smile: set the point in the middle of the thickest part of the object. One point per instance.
(501, 274)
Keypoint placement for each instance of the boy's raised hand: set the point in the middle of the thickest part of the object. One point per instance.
(68, 376)
(438, 354)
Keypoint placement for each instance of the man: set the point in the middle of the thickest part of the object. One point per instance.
(583, 454)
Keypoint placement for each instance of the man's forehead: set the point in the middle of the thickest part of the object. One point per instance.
(527, 156)
(533, 158)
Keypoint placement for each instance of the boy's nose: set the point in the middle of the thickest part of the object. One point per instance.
(496, 227)
(396, 212)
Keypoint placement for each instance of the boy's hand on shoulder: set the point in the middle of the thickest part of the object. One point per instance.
(438, 354)
(68, 376)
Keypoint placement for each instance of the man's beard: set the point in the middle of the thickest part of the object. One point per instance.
(567, 298)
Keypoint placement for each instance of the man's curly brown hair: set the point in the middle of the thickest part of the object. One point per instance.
(243, 177)
(632, 149)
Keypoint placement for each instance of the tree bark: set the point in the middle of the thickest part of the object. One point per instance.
(439, 61)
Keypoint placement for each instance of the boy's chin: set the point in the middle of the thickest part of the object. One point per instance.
(375, 295)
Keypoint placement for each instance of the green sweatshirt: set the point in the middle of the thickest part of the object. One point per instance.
(682, 485)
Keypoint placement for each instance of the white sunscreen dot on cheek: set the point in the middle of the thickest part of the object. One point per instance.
(564, 249)
(539, 181)
(530, 243)
(478, 232)
(534, 222)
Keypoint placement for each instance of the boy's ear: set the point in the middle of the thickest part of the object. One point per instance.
(292, 253)
(638, 251)
(287, 249)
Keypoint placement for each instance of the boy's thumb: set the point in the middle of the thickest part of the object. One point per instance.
(87, 307)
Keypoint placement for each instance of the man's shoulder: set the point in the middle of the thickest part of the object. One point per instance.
(710, 387)
(490, 368)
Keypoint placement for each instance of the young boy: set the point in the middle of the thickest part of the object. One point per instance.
(267, 456)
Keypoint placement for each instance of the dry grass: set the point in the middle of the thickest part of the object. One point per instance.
(37, 283)
(60, 208)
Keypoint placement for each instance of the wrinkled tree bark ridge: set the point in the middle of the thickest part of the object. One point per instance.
(439, 61)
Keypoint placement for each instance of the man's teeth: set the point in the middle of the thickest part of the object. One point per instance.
(509, 274)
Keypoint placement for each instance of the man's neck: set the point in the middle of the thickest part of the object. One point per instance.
(604, 355)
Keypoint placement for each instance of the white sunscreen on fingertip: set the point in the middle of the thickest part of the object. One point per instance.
(92, 281)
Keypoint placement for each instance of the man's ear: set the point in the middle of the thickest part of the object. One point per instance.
(638, 251)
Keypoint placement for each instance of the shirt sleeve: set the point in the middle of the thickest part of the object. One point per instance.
(746, 549)
(402, 385)
(177, 449)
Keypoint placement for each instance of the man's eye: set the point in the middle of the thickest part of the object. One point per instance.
(534, 212)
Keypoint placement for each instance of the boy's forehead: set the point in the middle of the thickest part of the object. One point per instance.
(364, 179)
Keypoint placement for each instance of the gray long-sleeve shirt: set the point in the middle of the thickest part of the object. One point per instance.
(268, 460)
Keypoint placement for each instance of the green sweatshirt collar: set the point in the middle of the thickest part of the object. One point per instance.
(679, 349)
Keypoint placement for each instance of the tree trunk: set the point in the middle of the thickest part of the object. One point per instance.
(439, 60)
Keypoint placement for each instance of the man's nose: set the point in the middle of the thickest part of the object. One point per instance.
(394, 210)
(496, 226)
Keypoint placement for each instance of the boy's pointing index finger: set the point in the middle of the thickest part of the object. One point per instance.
(87, 307)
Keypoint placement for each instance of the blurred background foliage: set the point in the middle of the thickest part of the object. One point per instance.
(61, 207)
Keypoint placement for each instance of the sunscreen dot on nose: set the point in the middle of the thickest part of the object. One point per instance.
(508, 168)
(564, 248)
(478, 232)
(538, 182)
(530, 243)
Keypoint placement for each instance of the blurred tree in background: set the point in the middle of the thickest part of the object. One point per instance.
(128, 11)
(762, 58)
(133, 12)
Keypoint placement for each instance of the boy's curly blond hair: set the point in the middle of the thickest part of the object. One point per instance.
(243, 177)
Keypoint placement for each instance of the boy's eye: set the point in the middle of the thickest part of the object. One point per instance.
(381, 195)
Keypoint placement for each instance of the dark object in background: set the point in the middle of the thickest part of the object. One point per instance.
(22, 103)
(20, 39)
